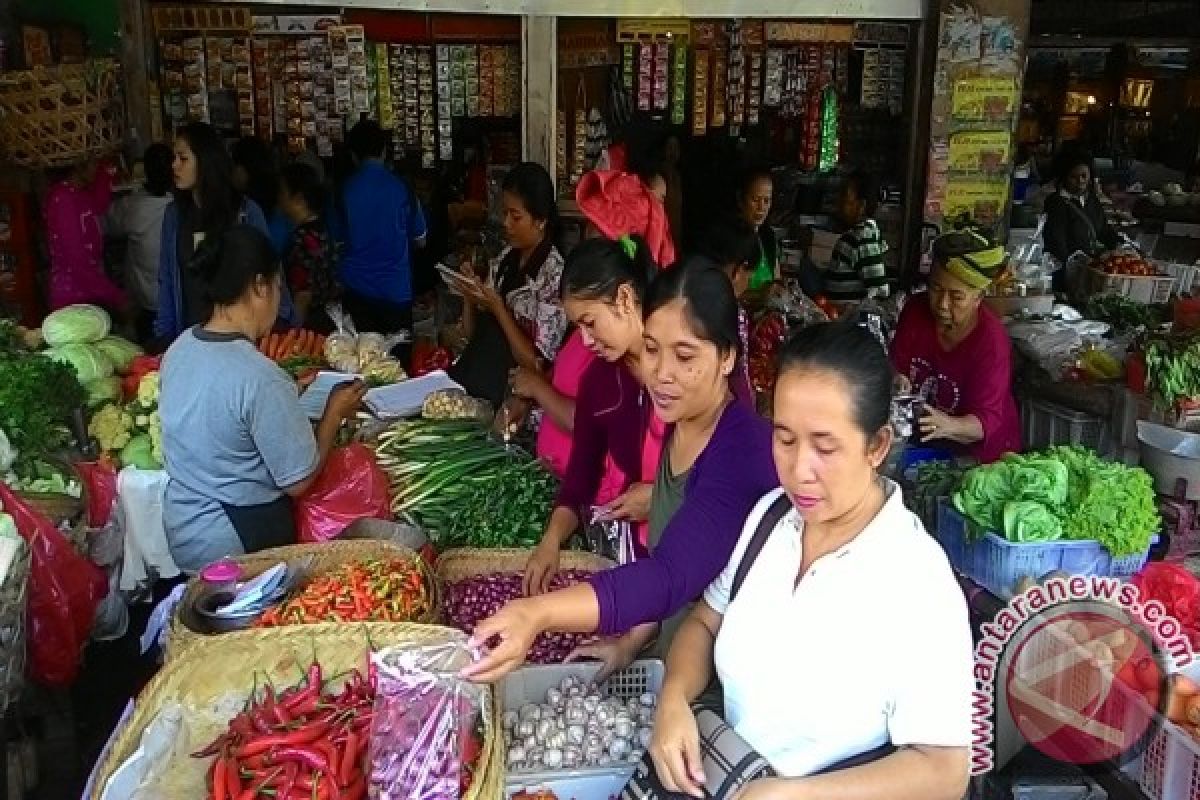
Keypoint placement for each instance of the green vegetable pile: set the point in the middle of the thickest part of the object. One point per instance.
(1123, 314)
(933, 481)
(452, 478)
(38, 395)
(1173, 368)
(1062, 493)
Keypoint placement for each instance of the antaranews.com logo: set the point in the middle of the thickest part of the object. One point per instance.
(1082, 665)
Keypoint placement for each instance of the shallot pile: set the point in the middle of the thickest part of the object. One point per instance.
(577, 727)
(469, 602)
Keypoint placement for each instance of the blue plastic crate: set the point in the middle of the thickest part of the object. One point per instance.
(998, 565)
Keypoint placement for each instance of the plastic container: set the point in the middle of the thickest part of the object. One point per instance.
(1045, 424)
(998, 565)
(529, 685)
(221, 575)
(1140, 289)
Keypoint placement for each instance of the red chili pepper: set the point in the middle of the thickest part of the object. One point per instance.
(349, 759)
(302, 736)
(304, 754)
(356, 790)
(331, 757)
(219, 789)
(233, 782)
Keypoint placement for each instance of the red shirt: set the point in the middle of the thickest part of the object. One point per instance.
(975, 377)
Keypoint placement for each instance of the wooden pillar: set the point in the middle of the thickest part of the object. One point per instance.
(539, 68)
(137, 63)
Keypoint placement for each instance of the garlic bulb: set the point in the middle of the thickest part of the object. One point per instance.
(623, 728)
(619, 748)
(576, 716)
(531, 711)
(552, 758)
(576, 734)
(603, 715)
(544, 728)
(648, 700)
(554, 697)
(591, 703)
(526, 728)
(643, 736)
(516, 755)
(572, 757)
(556, 740)
(531, 744)
(509, 720)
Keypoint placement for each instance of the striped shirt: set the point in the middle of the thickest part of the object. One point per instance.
(857, 264)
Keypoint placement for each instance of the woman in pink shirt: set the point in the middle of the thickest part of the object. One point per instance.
(955, 351)
(75, 208)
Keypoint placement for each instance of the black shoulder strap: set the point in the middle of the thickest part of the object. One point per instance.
(777, 511)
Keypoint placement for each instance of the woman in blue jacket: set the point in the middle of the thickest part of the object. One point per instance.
(206, 205)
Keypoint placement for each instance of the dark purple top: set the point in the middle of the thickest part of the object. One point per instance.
(731, 474)
(610, 419)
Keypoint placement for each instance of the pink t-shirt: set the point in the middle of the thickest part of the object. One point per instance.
(973, 378)
(75, 238)
(553, 443)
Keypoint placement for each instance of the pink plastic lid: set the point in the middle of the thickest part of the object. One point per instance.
(221, 572)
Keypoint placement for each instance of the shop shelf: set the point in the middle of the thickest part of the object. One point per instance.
(1044, 424)
(529, 685)
(998, 564)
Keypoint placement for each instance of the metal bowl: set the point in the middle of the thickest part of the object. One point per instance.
(207, 604)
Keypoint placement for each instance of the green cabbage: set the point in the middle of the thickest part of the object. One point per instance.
(140, 453)
(120, 351)
(90, 364)
(1062, 492)
(1030, 521)
(103, 390)
(79, 324)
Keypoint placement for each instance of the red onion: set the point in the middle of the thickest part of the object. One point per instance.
(470, 601)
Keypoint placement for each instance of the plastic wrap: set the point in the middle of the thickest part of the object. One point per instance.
(426, 730)
(611, 538)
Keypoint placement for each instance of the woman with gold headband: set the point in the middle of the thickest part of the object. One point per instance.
(955, 351)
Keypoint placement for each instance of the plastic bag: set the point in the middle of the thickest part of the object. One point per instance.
(426, 734)
(100, 478)
(351, 486)
(611, 538)
(1179, 592)
(64, 591)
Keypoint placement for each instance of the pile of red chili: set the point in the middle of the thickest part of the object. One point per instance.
(366, 591)
(302, 744)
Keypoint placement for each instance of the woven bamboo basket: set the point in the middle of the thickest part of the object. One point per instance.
(12, 628)
(205, 671)
(62, 115)
(460, 564)
(326, 556)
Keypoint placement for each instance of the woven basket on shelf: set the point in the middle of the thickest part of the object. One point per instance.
(457, 565)
(325, 557)
(204, 671)
(12, 628)
(62, 115)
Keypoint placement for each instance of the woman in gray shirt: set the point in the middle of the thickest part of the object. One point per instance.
(237, 445)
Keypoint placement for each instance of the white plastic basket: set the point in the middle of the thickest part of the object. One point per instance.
(1169, 769)
(1138, 288)
(530, 684)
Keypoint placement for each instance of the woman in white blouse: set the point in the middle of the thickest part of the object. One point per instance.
(846, 631)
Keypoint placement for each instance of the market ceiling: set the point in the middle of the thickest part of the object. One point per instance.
(777, 9)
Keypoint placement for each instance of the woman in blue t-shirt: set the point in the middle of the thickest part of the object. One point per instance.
(241, 449)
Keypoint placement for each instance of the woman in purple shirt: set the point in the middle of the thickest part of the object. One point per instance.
(603, 283)
(715, 466)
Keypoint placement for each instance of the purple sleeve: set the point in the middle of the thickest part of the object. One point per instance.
(589, 441)
(732, 474)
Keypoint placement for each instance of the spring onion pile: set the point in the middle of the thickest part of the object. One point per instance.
(462, 486)
(470, 601)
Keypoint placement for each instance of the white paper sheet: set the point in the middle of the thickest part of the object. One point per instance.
(313, 399)
(405, 399)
